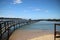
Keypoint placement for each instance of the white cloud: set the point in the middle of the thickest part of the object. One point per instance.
(17, 1)
(34, 9)
(29, 9)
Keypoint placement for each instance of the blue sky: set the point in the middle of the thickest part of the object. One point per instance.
(34, 9)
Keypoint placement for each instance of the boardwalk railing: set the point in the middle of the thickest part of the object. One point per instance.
(8, 25)
(56, 32)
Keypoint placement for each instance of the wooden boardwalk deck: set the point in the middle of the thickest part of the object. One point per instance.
(32, 35)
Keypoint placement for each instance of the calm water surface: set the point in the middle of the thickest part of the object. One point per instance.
(42, 25)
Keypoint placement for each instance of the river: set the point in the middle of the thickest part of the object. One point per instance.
(42, 25)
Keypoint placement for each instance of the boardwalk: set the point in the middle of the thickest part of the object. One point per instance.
(31, 35)
(8, 26)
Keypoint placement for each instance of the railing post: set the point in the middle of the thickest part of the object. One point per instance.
(54, 31)
(14, 27)
(19, 24)
(5, 25)
(0, 32)
(8, 34)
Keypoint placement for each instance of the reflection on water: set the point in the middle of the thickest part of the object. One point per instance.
(42, 25)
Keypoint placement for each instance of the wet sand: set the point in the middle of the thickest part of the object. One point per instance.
(32, 35)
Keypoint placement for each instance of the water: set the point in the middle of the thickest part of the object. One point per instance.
(42, 25)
